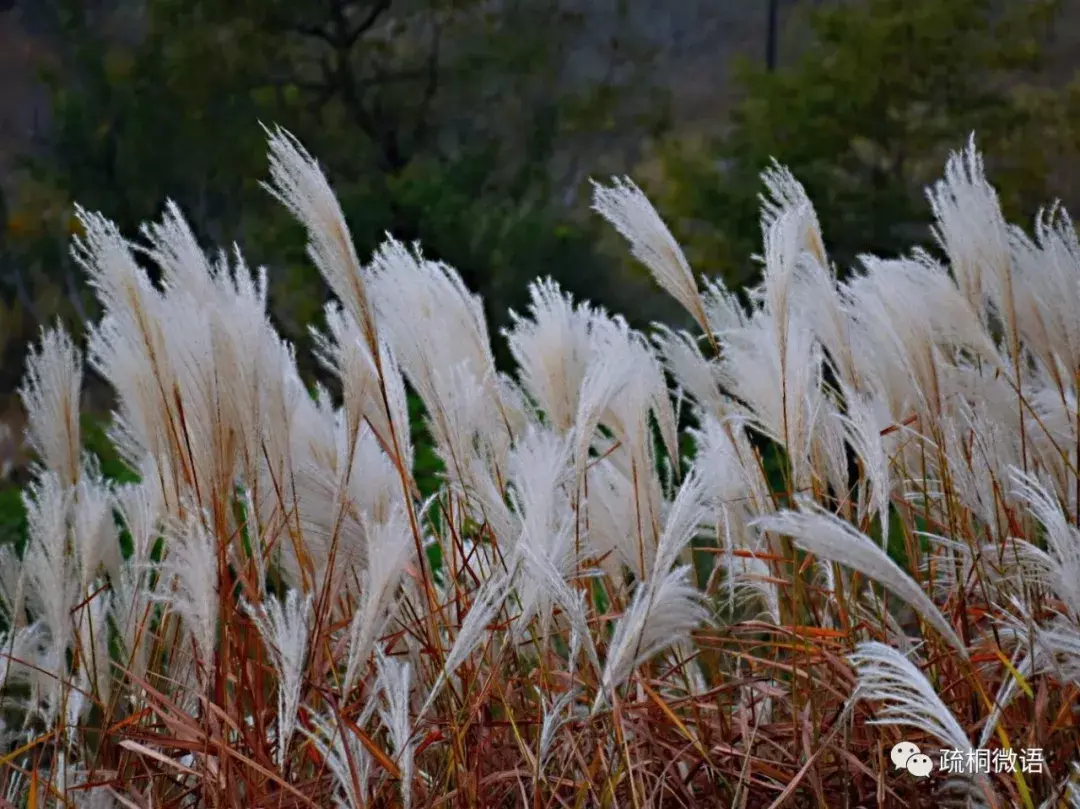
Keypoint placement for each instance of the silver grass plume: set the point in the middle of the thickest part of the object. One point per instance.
(972, 230)
(51, 395)
(1061, 561)
(630, 212)
(395, 684)
(191, 569)
(786, 194)
(552, 350)
(667, 607)
(390, 549)
(663, 613)
(300, 185)
(486, 604)
(906, 697)
(555, 717)
(346, 757)
(824, 534)
(284, 629)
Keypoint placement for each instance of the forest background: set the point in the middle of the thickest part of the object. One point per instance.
(474, 126)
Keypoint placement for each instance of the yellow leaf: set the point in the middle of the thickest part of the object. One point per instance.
(1023, 683)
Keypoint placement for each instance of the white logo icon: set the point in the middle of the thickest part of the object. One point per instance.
(920, 765)
(906, 756)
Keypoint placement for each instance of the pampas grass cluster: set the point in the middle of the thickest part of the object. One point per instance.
(726, 567)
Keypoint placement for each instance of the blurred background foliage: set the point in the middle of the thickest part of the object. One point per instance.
(865, 117)
(474, 125)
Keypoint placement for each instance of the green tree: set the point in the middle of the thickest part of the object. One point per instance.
(445, 121)
(865, 118)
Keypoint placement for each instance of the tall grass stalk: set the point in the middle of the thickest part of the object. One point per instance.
(865, 530)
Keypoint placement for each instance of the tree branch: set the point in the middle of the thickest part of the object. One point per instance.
(431, 88)
(336, 32)
(379, 8)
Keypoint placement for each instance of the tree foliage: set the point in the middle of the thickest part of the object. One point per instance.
(458, 123)
(866, 115)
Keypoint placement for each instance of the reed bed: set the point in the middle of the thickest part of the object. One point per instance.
(731, 566)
